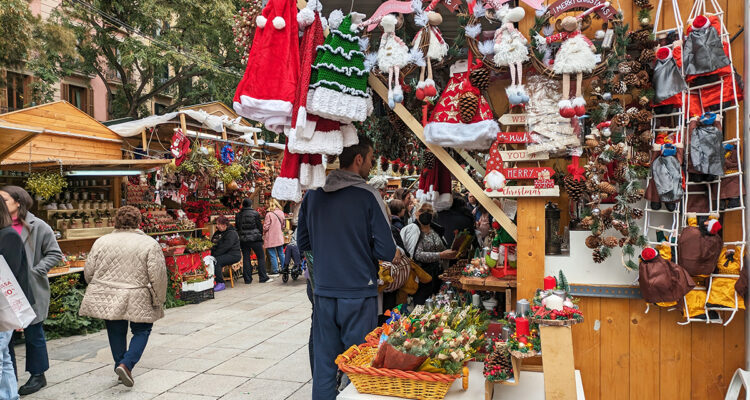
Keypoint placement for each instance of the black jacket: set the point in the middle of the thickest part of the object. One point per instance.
(396, 225)
(454, 219)
(249, 225)
(226, 243)
(12, 249)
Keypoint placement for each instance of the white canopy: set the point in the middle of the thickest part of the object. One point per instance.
(212, 122)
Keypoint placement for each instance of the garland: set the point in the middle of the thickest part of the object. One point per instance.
(340, 50)
(342, 70)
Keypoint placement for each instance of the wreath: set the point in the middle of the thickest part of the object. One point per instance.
(227, 155)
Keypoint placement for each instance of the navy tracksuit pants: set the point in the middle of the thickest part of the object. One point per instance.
(338, 324)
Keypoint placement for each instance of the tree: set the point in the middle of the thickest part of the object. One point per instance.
(156, 47)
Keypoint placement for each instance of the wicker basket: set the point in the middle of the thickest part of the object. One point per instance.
(58, 270)
(77, 264)
(197, 297)
(373, 337)
(355, 363)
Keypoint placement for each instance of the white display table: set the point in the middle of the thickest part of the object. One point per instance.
(530, 387)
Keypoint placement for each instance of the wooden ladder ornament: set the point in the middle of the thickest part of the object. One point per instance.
(448, 161)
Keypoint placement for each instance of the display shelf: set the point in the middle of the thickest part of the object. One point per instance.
(489, 283)
(173, 232)
(68, 272)
(79, 239)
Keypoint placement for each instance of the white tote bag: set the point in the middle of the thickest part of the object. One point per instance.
(15, 310)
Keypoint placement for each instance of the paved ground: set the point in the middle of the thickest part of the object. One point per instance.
(250, 342)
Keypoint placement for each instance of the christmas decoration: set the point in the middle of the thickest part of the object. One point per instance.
(436, 48)
(511, 51)
(393, 54)
(498, 366)
(244, 27)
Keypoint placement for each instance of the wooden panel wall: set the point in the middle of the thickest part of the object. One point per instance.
(624, 353)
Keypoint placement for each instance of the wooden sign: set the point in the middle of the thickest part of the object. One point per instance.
(562, 6)
(522, 155)
(389, 7)
(451, 5)
(513, 119)
(515, 137)
(526, 173)
(524, 191)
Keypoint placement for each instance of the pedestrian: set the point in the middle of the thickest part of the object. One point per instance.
(455, 219)
(42, 253)
(291, 253)
(250, 231)
(127, 284)
(226, 250)
(424, 242)
(397, 211)
(345, 225)
(12, 250)
(273, 235)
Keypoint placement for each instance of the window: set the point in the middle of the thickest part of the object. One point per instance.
(17, 88)
(159, 108)
(79, 96)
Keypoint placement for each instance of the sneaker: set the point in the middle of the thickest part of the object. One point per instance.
(274, 275)
(219, 287)
(268, 281)
(124, 373)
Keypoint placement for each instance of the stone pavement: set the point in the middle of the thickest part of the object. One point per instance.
(250, 342)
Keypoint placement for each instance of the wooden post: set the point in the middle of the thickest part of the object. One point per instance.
(530, 250)
(116, 191)
(144, 142)
(559, 368)
(224, 132)
(452, 166)
(183, 124)
(255, 139)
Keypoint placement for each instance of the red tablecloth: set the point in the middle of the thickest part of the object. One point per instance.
(186, 262)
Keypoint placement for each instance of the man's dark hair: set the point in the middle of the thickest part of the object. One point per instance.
(350, 153)
(222, 220)
(396, 206)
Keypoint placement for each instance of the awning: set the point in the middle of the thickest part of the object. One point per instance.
(14, 136)
(212, 122)
(78, 165)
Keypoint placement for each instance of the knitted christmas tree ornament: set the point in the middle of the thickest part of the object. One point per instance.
(339, 82)
(445, 127)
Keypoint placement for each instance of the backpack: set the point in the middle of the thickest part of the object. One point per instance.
(699, 252)
(663, 281)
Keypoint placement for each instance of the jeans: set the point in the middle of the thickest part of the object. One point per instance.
(339, 323)
(117, 331)
(247, 265)
(8, 382)
(291, 253)
(37, 360)
(274, 253)
(221, 262)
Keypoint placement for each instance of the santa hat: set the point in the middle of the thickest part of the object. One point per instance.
(663, 53)
(604, 128)
(267, 90)
(700, 22)
(321, 136)
(435, 186)
(445, 127)
(301, 170)
(494, 179)
(648, 254)
(713, 226)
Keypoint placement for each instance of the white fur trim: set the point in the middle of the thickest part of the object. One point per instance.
(443, 201)
(287, 189)
(305, 17)
(275, 114)
(416, 57)
(349, 135)
(475, 136)
(337, 106)
(574, 56)
(340, 51)
(429, 82)
(312, 176)
(335, 19)
(348, 71)
(564, 104)
(420, 85)
(260, 21)
(342, 88)
(494, 180)
(364, 43)
(371, 60)
(301, 118)
(487, 47)
(473, 31)
(331, 142)
(578, 101)
(279, 23)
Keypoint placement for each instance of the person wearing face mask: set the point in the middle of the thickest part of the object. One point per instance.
(345, 225)
(424, 243)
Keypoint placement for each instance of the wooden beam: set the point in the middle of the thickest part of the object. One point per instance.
(144, 142)
(472, 161)
(224, 132)
(183, 124)
(451, 164)
(28, 136)
(530, 249)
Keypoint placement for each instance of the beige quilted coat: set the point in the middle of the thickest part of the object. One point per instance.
(127, 278)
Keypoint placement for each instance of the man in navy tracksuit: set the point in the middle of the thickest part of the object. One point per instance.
(344, 224)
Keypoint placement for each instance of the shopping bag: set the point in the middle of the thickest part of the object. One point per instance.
(15, 310)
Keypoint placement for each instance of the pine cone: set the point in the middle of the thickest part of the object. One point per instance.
(620, 170)
(623, 229)
(642, 158)
(592, 143)
(597, 256)
(608, 188)
(573, 187)
(642, 117)
(646, 136)
(643, 78)
(647, 56)
(467, 105)
(621, 120)
(631, 80)
(636, 213)
(641, 37)
(635, 196)
(643, 4)
(398, 124)
(625, 67)
(592, 242)
(586, 222)
(610, 241)
(480, 78)
(622, 241)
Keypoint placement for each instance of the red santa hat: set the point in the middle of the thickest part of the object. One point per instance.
(700, 22)
(494, 179)
(267, 90)
(713, 226)
(663, 53)
(648, 254)
(445, 127)
(435, 186)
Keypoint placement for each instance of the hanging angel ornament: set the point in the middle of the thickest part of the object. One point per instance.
(511, 50)
(576, 56)
(393, 54)
(437, 48)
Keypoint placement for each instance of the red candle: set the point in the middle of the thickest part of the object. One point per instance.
(522, 326)
(549, 282)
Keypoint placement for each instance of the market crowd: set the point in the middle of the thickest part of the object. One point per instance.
(127, 276)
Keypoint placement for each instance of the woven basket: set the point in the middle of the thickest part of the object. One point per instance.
(77, 264)
(58, 270)
(472, 43)
(373, 337)
(356, 361)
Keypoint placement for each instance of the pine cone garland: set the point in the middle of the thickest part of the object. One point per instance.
(607, 188)
(643, 3)
(467, 106)
(635, 196)
(480, 78)
(596, 255)
(621, 120)
(574, 188)
(647, 56)
(592, 242)
(587, 222)
(610, 241)
(631, 80)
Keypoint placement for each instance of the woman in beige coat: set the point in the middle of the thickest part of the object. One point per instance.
(127, 280)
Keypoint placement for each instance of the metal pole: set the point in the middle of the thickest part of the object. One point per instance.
(746, 155)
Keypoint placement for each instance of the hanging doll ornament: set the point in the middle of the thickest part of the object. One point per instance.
(393, 55)
(437, 48)
(576, 56)
(180, 147)
(511, 51)
(667, 80)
